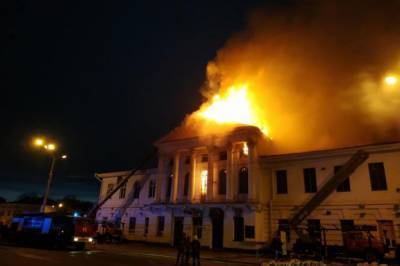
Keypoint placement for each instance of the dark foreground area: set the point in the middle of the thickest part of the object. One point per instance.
(11, 256)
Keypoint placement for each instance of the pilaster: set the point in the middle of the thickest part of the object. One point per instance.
(175, 181)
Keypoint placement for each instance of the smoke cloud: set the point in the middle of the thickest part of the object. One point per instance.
(315, 69)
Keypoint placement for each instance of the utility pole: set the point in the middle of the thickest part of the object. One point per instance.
(51, 149)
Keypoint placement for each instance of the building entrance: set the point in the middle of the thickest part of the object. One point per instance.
(217, 220)
(178, 229)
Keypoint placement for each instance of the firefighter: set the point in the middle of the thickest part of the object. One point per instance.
(196, 251)
(276, 247)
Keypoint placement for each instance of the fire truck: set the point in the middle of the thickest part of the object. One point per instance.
(55, 230)
(51, 230)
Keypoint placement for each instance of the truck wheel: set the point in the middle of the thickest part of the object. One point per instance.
(371, 255)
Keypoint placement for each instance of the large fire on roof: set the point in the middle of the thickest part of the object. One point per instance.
(235, 106)
(307, 79)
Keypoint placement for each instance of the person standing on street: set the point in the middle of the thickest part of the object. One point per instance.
(180, 250)
(188, 249)
(276, 247)
(196, 251)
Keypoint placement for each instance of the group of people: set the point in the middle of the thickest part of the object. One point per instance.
(188, 248)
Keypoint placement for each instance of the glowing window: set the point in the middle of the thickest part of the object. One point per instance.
(204, 176)
(245, 149)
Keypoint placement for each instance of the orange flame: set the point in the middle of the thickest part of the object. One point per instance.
(233, 107)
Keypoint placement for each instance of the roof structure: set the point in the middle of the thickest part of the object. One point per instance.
(189, 131)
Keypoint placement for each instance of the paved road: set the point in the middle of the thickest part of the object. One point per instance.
(12, 256)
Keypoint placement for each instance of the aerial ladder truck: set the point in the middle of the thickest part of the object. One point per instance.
(333, 182)
(111, 230)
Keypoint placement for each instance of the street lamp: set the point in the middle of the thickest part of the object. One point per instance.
(51, 148)
(391, 80)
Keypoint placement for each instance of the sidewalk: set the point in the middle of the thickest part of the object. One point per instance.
(154, 250)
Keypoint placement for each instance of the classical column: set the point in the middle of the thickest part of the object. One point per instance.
(160, 185)
(252, 178)
(210, 174)
(175, 180)
(229, 173)
(192, 187)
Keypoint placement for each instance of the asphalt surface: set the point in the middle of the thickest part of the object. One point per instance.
(11, 256)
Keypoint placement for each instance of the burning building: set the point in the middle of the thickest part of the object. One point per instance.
(227, 191)
(299, 128)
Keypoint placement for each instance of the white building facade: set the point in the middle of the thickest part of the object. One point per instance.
(225, 191)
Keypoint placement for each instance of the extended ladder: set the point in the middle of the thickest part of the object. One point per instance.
(338, 178)
(93, 211)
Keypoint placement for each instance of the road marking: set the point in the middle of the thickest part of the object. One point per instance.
(173, 257)
(32, 256)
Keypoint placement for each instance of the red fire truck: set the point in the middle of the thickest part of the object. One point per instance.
(51, 230)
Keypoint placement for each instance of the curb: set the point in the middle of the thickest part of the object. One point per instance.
(206, 258)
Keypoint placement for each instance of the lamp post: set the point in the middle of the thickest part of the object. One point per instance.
(51, 149)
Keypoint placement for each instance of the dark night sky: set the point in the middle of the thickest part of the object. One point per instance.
(104, 79)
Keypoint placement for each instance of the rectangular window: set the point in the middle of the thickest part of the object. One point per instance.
(223, 156)
(283, 225)
(377, 176)
(198, 226)
(238, 224)
(310, 180)
(187, 160)
(203, 179)
(152, 189)
(110, 187)
(281, 182)
(244, 150)
(160, 225)
(345, 186)
(222, 182)
(346, 225)
(136, 190)
(122, 191)
(132, 224)
(146, 226)
(314, 228)
(249, 231)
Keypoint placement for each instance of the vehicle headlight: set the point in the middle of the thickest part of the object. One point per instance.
(76, 239)
(90, 239)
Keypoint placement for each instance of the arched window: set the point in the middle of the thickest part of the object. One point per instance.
(186, 184)
(136, 190)
(152, 189)
(243, 180)
(222, 182)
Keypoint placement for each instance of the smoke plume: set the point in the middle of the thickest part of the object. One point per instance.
(315, 69)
